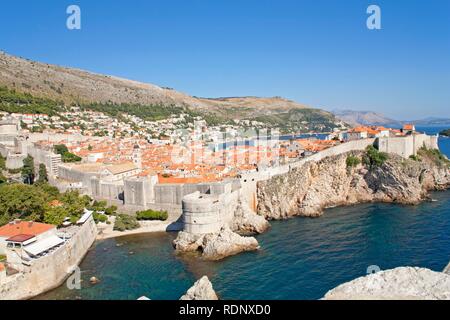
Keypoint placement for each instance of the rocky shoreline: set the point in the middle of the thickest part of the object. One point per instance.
(309, 189)
(404, 283)
(315, 186)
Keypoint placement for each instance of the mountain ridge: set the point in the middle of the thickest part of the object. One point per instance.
(76, 86)
(357, 118)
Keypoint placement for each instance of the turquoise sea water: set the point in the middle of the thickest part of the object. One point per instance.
(300, 258)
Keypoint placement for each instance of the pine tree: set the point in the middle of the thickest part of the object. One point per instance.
(43, 176)
(28, 173)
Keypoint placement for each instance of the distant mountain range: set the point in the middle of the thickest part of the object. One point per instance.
(74, 86)
(356, 118)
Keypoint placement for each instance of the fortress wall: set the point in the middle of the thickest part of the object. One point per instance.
(46, 157)
(139, 191)
(50, 271)
(7, 139)
(201, 213)
(15, 161)
(401, 146)
(109, 191)
(205, 213)
(4, 150)
(8, 129)
(409, 145)
(169, 193)
(51, 137)
(70, 174)
(173, 193)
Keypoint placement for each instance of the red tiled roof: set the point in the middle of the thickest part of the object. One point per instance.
(24, 227)
(20, 238)
(408, 127)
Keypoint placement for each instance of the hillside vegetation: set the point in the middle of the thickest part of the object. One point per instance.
(34, 87)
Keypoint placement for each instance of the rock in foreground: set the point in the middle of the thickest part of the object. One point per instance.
(447, 269)
(201, 290)
(404, 283)
(215, 246)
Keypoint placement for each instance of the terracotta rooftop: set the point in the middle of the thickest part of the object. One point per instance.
(24, 227)
(20, 238)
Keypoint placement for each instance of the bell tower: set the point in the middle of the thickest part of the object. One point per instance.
(137, 156)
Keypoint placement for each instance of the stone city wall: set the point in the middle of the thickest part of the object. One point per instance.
(70, 174)
(50, 271)
(407, 146)
(15, 161)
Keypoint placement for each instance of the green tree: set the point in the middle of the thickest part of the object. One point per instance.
(2, 163)
(49, 192)
(21, 201)
(55, 215)
(43, 176)
(67, 157)
(73, 203)
(61, 149)
(28, 173)
(374, 158)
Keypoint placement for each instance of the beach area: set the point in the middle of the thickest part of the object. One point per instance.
(106, 231)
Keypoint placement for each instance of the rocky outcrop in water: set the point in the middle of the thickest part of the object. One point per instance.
(228, 241)
(215, 246)
(307, 190)
(201, 290)
(404, 283)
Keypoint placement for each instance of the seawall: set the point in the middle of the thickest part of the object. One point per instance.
(50, 271)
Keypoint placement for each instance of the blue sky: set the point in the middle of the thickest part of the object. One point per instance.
(317, 52)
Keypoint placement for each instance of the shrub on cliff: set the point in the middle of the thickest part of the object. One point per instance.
(434, 155)
(152, 215)
(125, 222)
(374, 158)
(352, 161)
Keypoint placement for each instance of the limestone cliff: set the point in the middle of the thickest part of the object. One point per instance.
(247, 221)
(308, 189)
(201, 290)
(404, 283)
